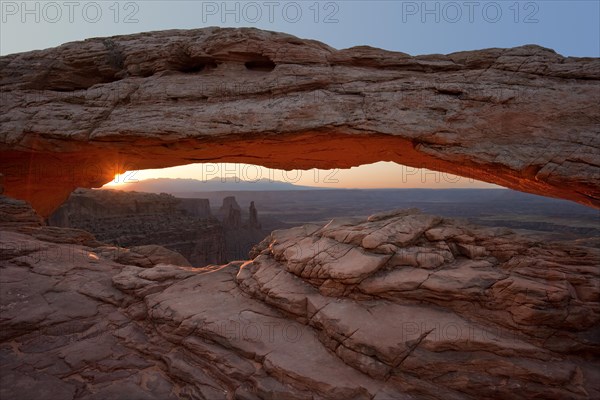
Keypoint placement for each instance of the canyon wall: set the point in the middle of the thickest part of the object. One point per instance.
(131, 219)
(185, 226)
(241, 234)
(75, 115)
(401, 305)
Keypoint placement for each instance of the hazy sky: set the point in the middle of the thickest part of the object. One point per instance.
(378, 175)
(571, 28)
(415, 27)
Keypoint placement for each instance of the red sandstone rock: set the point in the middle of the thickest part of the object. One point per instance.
(75, 115)
(516, 321)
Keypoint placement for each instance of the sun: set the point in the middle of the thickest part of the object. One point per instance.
(118, 180)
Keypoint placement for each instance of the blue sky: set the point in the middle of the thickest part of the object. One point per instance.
(572, 28)
(415, 27)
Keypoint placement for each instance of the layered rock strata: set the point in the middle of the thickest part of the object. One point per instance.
(132, 219)
(401, 306)
(76, 115)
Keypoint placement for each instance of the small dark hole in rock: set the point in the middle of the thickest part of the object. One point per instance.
(265, 65)
(198, 66)
(193, 68)
(450, 92)
(59, 89)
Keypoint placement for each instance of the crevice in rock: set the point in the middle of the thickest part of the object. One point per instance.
(199, 64)
(260, 63)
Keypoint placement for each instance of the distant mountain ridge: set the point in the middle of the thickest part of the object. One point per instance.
(177, 185)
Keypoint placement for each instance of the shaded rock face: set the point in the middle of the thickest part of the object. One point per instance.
(240, 236)
(524, 118)
(253, 216)
(231, 213)
(17, 213)
(400, 306)
(137, 219)
(146, 256)
(229, 203)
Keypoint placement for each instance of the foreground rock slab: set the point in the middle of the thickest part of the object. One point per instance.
(438, 310)
(476, 310)
(75, 115)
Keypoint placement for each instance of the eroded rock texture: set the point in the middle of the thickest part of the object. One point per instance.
(131, 219)
(73, 116)
(401, 306)
(240, 235)
(183, 225)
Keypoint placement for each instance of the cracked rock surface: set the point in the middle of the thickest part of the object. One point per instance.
(400, 306)
(75, 115)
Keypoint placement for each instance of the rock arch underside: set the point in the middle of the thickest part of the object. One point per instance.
(525, 118)
(401, 305)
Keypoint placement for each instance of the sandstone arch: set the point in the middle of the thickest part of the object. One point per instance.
(525, 118)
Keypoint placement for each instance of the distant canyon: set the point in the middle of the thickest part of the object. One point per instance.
(184, 225)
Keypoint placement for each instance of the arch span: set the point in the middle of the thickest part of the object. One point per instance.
(525, 118)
